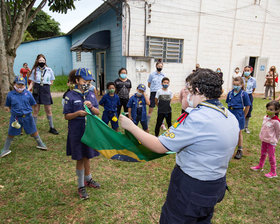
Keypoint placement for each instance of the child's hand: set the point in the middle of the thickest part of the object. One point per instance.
(125, 122)
(88, 104)
(82, 113)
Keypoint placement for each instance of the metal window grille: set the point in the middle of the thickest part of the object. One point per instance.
(78, 56)
(169, 50)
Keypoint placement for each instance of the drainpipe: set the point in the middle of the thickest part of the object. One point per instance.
(198, 32)
(231, 47)
(145, 27)
(129, 22)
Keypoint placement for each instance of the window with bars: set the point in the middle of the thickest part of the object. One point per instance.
(78, 56)
(169, 50)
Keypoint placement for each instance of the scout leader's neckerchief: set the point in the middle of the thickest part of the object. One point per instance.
(274, 118)
(216, 105)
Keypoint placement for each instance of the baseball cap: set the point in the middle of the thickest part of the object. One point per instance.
(85, 73)
(19, 80)
(141, 87)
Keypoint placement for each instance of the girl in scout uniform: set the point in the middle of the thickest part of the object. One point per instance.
(250, 85)
(20, 102)
(42, 78)
(75, 114)
(238, 104)
(198, 180)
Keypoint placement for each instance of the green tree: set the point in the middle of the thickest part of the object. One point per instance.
(15, 17)
(43, 26)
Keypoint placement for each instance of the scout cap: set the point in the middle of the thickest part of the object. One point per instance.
(85, 73)
(141, 87)
(19, 80)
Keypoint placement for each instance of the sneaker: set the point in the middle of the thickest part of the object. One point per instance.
(247, 131)
(83, 193)
(92, 183)
(256, 168)
(238, 154)
(4, 153)
(163, 127)
(271, 175)
(53, 131)
(42, 147)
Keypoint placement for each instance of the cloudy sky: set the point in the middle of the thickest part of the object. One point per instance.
(72, 18)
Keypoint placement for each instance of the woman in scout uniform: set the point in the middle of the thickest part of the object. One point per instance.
(20, 102)
(42, 78)
(198, 180)
(75, 114)
(250, 85)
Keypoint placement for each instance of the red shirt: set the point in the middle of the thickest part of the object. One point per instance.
(24, 72)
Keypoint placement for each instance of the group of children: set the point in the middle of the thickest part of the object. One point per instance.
(20, 102)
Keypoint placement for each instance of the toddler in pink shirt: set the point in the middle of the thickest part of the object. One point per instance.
(269, 135)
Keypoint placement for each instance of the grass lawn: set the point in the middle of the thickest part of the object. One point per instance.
(40, 187)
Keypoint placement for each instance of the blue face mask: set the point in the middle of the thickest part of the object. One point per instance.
(236, 88)
(123, 76)
(219, 71)
(139, 94)
(165, 86)
(247, 73)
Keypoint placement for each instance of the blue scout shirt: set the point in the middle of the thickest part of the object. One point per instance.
(204, 141)
(135, 103)
(250, 84)
(74, 101)
(20, 103)
(155, 80)
(238, 101)
(110, 103)
(48, 76)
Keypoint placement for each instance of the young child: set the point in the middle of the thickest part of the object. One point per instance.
(110, 102)
(163, 98)
(269, 135)
(237, 100)
(75, 114)
(20, 102)
(185, 92)
(137, 107)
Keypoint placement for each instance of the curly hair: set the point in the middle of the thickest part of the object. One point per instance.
(207, 82)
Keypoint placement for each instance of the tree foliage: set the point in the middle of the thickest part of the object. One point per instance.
(15, 17)
(43, 26)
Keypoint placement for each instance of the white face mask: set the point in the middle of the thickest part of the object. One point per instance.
(190, 102)
(19, 89)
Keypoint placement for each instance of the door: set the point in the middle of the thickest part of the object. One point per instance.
(101, 71)
(260, 72)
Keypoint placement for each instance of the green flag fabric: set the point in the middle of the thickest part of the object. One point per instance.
(115, 145)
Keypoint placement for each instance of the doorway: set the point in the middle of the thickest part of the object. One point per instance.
(252, 63)
(101, 71)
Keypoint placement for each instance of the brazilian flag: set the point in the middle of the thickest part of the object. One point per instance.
(115, 145)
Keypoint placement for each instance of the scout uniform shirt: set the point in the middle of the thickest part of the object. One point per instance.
(155, 80)
(42, 76)
(204, 141)
(250, 84)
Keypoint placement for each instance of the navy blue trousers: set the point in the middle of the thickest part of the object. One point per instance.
(190, 200)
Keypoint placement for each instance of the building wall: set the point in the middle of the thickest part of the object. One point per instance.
(56, 51)
(224, 35)
(114, 58)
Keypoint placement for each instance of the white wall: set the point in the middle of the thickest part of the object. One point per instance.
(222, 36)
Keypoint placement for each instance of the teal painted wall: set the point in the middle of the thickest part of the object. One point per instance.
(56, 51)
(114, 58)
